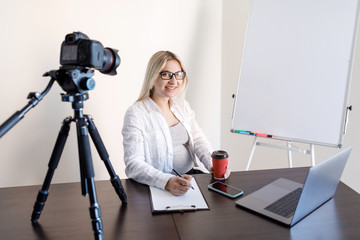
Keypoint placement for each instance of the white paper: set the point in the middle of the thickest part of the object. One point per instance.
(163, 200)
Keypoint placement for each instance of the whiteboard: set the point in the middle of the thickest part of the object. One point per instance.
(295, 71)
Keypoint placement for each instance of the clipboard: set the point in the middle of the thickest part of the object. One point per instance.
(163, 201)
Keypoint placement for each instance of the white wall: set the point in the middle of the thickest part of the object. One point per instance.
(31, 35)
(234, 24)
(210, 43)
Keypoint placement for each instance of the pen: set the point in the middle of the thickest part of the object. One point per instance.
(180, 176)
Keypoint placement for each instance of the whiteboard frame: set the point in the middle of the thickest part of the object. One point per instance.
(343, 124)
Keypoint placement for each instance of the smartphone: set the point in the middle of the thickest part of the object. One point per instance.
(225, 189)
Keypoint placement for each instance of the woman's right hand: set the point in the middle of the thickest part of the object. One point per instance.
(179, 186)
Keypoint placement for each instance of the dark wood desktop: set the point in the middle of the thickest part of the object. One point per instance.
(66, 213)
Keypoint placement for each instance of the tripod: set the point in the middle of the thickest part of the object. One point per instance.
(85, 125)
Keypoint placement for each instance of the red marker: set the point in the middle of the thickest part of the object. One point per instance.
(263, 135)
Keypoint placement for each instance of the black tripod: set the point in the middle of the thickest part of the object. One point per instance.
(85, 125)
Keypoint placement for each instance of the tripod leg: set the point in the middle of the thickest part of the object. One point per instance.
(95, 212)
(115, 180)
(87, 172)
(53, 163)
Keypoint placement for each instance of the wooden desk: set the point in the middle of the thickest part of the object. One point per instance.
(66, 214)
(337, 219)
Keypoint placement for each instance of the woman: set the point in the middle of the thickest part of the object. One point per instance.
(160, 132)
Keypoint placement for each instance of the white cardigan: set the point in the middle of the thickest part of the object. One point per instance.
(148, 150)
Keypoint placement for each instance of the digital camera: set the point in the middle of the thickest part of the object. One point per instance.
(79, 50)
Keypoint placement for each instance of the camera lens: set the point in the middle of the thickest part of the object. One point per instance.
(111, 61)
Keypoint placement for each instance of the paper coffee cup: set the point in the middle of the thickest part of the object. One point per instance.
(220, 163)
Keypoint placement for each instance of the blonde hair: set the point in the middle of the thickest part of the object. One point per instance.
(156, 64)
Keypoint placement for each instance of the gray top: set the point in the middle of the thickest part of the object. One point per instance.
(182, 158)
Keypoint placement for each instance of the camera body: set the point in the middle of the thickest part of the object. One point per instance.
(79, 50)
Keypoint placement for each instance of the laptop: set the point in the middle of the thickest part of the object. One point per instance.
(320, 186)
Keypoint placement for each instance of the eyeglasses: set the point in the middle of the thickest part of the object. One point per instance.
(168, 75)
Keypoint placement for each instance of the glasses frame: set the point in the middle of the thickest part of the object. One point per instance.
(172, 75)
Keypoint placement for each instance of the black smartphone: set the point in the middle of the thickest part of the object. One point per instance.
(225, 189)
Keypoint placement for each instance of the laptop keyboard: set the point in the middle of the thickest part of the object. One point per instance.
(286, 205)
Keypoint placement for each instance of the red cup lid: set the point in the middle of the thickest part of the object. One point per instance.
(219, 154)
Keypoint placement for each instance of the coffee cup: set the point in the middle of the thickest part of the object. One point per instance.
(220, 163)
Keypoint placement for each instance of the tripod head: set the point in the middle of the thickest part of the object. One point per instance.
(73, 79)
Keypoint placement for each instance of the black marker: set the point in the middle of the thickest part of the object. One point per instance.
(180, 176)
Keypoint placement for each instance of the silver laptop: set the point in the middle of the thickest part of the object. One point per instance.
(274, 199)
